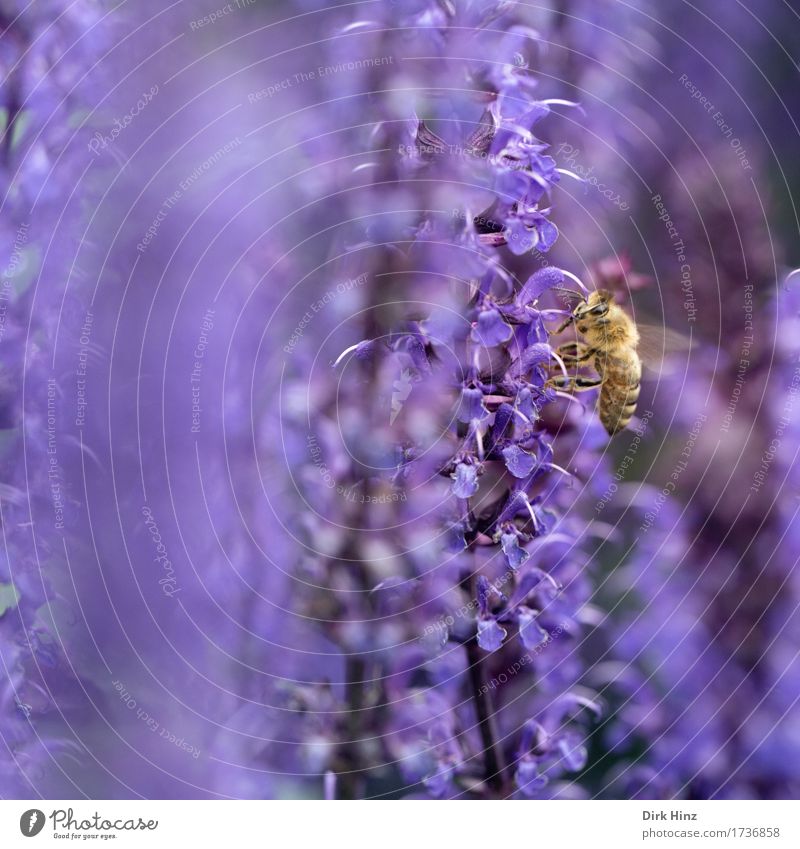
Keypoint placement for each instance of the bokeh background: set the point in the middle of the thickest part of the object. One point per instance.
(220, 574)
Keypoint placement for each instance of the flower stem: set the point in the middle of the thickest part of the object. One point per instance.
(350, 778)
(492, 755)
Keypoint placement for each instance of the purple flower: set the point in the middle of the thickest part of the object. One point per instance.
(539, 283)
(471, 406)
(518, 461)
(530, 631)
(490, 634)
(528, 778)
(529, 229)
(510, 542)
(490, 329)
(465, 480)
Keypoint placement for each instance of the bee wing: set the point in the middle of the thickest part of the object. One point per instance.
(428, 143)
(661, 349)
(481, 137)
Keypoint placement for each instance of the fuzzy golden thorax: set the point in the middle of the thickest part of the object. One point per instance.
(604, 325)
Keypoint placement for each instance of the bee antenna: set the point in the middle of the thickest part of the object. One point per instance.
(570, 292)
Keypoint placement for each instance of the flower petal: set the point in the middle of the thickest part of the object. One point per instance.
(471, 406)
(515, 555)
(528, 778)
(520, 463)
(490, 634)
(465, 480)
(520, 239)
(491, 330)
(530, 631)
(539, 283)
(503, 421)
(535, 355)
(525, 404)
(438, 783)
(548, 233)
(573, 751)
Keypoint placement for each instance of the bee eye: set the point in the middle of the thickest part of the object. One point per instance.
(600, 309)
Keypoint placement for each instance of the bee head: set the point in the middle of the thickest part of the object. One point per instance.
(596, 304)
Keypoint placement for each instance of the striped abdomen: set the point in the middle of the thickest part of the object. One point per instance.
(620, 390)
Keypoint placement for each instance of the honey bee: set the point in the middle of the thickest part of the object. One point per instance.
(610, 341)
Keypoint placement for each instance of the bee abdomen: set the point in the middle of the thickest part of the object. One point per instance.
(617, 405)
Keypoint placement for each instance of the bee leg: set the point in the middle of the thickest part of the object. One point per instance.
(576, 384)
(564, 326)
(573, 353)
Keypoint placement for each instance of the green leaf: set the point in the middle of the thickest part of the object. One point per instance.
(77, 118)
(8, 597)
(25, 271)
(21, 122)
